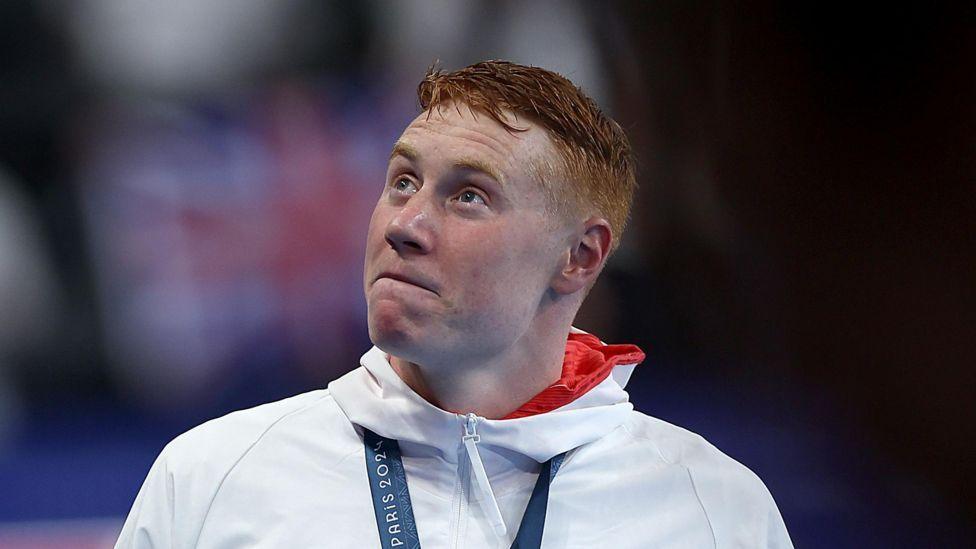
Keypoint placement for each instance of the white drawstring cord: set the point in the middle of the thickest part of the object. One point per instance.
(488, 503)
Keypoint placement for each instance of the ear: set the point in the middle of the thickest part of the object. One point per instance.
(585, 259)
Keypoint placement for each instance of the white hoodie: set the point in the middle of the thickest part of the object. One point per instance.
(292, 474)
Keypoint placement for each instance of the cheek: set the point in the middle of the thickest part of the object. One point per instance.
(375, 239)
(509, 277)
(375, 232)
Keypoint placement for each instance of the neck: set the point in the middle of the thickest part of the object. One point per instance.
(491, 388)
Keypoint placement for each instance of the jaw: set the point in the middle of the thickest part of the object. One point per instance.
(389, 324)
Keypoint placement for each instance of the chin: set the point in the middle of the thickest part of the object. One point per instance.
(392, 333)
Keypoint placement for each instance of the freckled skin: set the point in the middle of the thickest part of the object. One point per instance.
(489, 249)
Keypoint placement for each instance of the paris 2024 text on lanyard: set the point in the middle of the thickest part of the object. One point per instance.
(394, 513)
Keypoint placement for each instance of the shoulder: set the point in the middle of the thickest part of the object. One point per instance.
(736, 502)
(205, 454)
(230, 435)
(181, 486)
(678, 446)
(709, 467)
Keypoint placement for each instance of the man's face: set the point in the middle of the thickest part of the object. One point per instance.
(461, 246)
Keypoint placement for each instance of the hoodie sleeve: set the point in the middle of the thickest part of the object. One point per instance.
(739, 507)
(150, 521)
(776, 535)
(175, 499)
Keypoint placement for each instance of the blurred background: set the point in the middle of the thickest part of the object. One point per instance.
(185, 188)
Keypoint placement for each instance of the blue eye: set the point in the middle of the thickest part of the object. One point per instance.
(471, 197)
(404, 185)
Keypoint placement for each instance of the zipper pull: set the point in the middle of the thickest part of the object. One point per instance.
(487, 498)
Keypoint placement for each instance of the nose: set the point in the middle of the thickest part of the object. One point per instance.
(410, 230)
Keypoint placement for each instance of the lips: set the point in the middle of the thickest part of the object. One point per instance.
(413, 279)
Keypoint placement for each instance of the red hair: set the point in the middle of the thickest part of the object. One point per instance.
(595, 153)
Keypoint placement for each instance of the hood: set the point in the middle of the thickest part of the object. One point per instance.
(375, 397)
(586, 362)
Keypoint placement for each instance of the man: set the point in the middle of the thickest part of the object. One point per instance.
(481, 418)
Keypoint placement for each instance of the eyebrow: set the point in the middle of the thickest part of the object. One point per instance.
(405, 150)
(410, 153)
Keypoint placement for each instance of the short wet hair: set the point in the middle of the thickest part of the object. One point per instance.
(596, 157)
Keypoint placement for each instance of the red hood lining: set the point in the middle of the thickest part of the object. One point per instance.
(586, 364)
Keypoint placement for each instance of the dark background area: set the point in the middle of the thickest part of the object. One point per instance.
(180, 233)
(840, 142)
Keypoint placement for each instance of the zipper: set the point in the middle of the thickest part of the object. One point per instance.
(461, 499)
(486, 497)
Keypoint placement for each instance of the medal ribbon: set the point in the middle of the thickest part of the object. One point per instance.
(394, 512)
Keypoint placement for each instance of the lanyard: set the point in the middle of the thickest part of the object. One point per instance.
(391, 497)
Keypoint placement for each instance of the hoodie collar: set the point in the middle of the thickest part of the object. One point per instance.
(586, 363)
(375, 397)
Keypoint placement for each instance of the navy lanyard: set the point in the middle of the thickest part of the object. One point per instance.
(394, 513)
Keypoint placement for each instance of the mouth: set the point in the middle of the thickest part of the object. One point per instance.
(412, 280)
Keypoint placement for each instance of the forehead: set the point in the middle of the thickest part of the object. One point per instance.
(455, 132)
